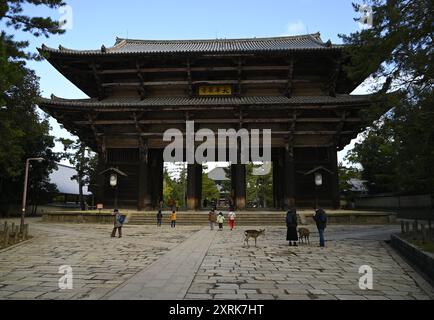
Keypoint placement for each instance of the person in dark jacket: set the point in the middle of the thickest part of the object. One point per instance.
(159, 218)
(291, 225)
(320, 218)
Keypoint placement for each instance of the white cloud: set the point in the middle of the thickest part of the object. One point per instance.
(296, 28)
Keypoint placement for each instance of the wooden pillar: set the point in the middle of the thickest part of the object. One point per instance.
(334, 180)
(288, 178)
(277, 179)
(194, 186)
(144, 197)
(156, 177)
(238, 180)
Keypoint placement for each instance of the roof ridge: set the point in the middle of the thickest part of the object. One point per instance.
(316, 36)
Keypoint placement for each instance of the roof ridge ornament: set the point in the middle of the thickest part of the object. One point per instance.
(103, 49)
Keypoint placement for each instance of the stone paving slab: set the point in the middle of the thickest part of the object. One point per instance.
(273, 270)
(196, 263)
(99, 263)
(169, 277)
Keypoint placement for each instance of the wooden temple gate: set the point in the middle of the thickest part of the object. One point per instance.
(140, 88)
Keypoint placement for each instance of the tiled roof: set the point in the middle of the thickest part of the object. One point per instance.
(129, 46)
(205, 101)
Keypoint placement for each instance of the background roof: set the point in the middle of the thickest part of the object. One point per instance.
(62, 179)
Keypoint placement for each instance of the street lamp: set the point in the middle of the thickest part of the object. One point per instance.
(26, 178)
(114, 173)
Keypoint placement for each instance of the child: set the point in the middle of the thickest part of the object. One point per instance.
(119, 220)
(220, 220)
(231, 217)
(159, 218)
(211, 219)
(173, 219)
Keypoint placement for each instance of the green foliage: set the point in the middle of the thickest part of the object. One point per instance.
(209, 188)
(175, 187)
(23, 134)
(259, 188)
(13, 54)
(397, 152)
(84, 161)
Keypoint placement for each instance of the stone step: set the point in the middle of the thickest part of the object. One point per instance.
(202, 219)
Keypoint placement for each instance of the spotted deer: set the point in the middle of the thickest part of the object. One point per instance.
(252, 234)
(303, 234)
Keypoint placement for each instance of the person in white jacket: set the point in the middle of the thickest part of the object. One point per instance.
(220, 220)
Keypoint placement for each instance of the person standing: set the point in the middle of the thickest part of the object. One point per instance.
(119, 221)
(231, 218)
(211, 219)
(159, 218)
(291, 225)
(320, 218)
(173, 219)
(177, 205)
(220, 220)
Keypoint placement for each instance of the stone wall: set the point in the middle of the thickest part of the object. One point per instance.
(423, 260)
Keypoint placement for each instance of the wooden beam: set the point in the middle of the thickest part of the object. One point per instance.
(334, 78)
(211, 121)
(277, 133)
(189, 79)
(289, 85)
(100, 88)
(186, 83)
(240, 73)
(336, 139)
(193, 69)
(142, 88)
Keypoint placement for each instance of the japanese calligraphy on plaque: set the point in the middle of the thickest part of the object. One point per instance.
(224, 90)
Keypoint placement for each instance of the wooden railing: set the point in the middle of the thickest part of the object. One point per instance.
(418, 230)
(10, 234)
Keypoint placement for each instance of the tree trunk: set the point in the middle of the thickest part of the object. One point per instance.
(80, 195)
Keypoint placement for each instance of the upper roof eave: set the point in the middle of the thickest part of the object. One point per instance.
(206, 101)
(309, 42)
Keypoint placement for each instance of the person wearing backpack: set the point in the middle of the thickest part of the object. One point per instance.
(119, 221)
(220, 220)
(291, 226)
(320, 218)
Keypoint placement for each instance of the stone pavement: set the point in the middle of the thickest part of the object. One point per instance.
(191, 262)
(169, 277)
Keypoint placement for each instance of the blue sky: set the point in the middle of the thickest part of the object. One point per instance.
(98, 22)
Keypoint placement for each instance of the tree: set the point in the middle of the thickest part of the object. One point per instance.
(259, 188)
(397, 152)
(12, 53)
(175, 183)
(23, 133)
(84, 161)
(209, 188)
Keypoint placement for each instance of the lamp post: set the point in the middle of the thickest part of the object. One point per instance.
(26, 178)
(318, 183)
(115, 173)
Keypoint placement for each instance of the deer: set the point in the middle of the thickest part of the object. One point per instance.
(303, 233)
(252, 234)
